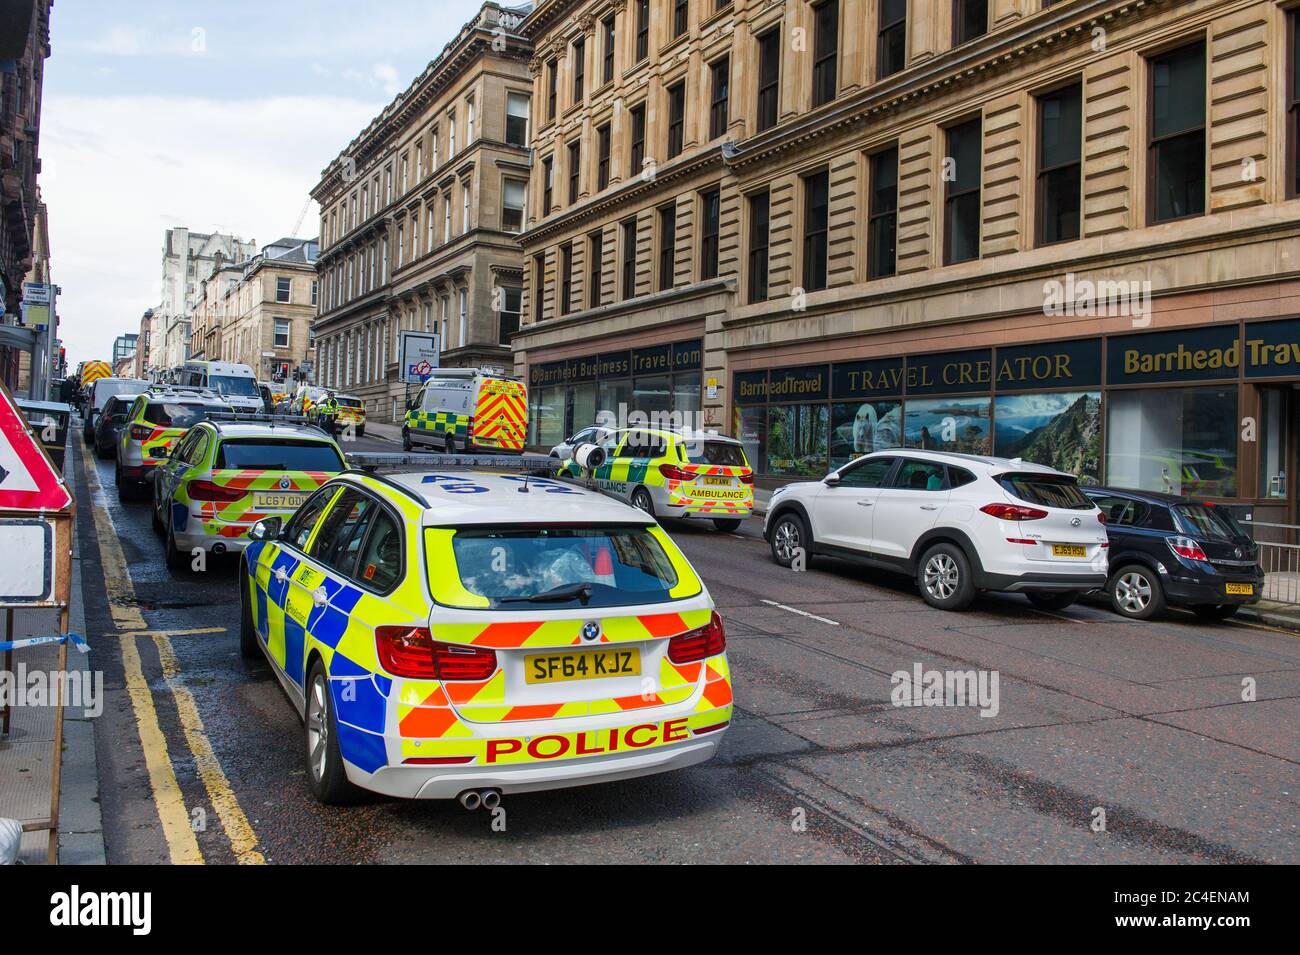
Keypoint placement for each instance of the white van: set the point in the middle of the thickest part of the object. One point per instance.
(464, 409)
(235, 383)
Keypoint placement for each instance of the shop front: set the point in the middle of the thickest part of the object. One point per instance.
(1206, 411)
(650, 384)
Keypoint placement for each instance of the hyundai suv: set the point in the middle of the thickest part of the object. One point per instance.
(1168, 551)
(957, 523)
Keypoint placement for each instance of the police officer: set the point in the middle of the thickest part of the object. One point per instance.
(329, 410)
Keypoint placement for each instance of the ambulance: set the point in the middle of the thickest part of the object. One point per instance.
(675, 473)
(472, 634)
(467, 409)
(234, 382)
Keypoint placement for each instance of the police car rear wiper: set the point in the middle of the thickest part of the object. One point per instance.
(581, 591)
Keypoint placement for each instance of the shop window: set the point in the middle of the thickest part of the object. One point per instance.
(1176, 146)
(769, 78)
(882, 221)
(816, 221)
(1172, 440)
(1061, 430)
(686, 394)
(797, 439)
(750, 429)
(947, 424)
(970, 19)
(826, 48)
(1060, 163)
(1274, 417)
(891, 38)
(961, 206)
(860, 427)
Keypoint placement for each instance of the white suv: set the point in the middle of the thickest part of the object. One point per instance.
(958, 523)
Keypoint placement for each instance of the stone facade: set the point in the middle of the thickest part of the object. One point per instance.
(943, 255)
(415, 233)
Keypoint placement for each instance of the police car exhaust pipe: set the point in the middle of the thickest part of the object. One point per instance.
(218, 548)
(490, 799)
(470, 799)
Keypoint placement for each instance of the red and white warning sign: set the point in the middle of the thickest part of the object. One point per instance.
(28, 479)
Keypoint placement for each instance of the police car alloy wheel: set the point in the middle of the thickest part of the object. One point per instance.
(248, 648)
(325, 772)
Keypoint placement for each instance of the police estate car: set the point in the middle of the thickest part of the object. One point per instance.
(666, 473)
(226, 475)
(471, 634)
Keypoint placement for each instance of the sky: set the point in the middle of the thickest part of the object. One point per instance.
(218, 117)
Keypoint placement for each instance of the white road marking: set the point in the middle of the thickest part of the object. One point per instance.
(802, 613)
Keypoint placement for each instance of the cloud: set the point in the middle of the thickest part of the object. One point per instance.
(122, 40)
(111, 165)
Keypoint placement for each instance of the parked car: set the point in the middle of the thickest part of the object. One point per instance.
(957, 523)
(109, 424)
(593, 435)
(1167, 550)
(156, 420)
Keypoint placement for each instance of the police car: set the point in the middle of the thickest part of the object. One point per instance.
(469, 634)
(666, 473)
(156, 419)
(226, 474)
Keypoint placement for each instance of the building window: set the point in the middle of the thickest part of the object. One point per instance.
(314, 292)
(681, 17)
(281, 333)
(676, 118)
(552, 81)
(970, 19)
(405, 174)
(667, 245)
(433, 141)
(1293, 104)
(595, 248)
(710, 216)
(882, 215)
(469, 121)
(401, 246)
(548, 184)
(566, 278)
(539, 276)
(446, 216)
(575, 171)
(826, 48)
(602, 157)
(769, 78)
(1176, 150)
(607, 65)
(383, 261)
(638, 139)
(759, 228)
(513, 192)
(720, 106)
(961, 204)
(642, 29)
(516, 119)
(451, 134)
(816, 219)
(429, 234)
(464, 315)
(508, 321)
(1060, 163)
(466, 193)
(419, 165)
(579, 68)
(283, 287)
(629, 258)
(891, 41)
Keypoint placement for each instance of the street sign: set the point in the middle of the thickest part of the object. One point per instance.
(420, 353)
(28, 479)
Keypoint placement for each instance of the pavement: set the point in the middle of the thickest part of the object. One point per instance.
(1113, 741)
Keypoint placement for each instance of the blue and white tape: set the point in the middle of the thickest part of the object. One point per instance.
(72, 638)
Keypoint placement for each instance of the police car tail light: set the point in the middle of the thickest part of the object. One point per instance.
(207, 491)
(707, 641)
(673, 473)
(406, 651)
(140, 431)
(452, 661)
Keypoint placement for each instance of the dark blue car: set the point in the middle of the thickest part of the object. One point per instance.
(1168, 551)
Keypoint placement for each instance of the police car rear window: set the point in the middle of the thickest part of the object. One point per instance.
(278, 454)
(168, 414)
(539, 568)
(715, 452)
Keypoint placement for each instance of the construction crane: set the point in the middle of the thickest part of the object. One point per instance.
(297, 226)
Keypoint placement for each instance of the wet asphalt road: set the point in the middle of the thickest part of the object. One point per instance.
(1143, 723)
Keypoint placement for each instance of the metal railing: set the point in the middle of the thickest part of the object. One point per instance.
(1279, 560)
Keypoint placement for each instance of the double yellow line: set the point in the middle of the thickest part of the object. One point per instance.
(178, 830)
